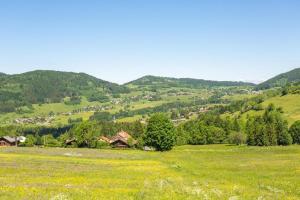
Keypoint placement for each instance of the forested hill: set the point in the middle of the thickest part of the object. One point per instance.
(2, 74)
(281, 79)
(51, 86)
(183, 82)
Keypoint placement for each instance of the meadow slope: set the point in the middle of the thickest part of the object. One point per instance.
(187, 172)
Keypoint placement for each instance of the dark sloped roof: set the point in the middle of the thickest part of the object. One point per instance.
(9, 139)
(120, 136)
(116, 139)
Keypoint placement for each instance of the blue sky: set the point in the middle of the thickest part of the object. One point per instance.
(121, 40)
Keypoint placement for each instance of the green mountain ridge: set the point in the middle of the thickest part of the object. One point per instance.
(47, 86)
(2, 74)
(150, 80)
(44, 86)
(281, 80)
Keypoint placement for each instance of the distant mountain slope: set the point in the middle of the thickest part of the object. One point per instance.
(51, 86)
(281, 79)
(183, 82)
(2, 74)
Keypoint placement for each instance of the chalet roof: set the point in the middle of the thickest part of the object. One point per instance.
(117, 138)
(120, 136)
(69, 141)
(13, 139)
(105, 139)
(8, 139)
(124, 135)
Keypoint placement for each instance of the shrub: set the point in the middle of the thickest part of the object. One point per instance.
(295, 132)
(50, 141)
(182, 136)
(100, 145)
(30, 141)
(237, 138)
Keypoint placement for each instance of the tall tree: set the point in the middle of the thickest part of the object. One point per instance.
(160, 132)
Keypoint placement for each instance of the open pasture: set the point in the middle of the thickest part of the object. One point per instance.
(187, 172)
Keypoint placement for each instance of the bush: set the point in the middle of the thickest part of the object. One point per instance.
(102, 98)
(50, 141)
(74, 100)
(182, 136)
(102, 116)
(160, 133)
(29, 142)
(295, 132)
(100, 144)
(237, 138)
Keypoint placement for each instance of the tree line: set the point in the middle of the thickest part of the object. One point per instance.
(266, 129)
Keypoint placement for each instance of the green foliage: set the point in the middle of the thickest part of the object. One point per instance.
(76, 120)
(268, 129)
(50, 87)
(201, 133)
(291, 88)
(74, 100)
(295, 132)
(99, 144)
(174, 114)
(30, 141)
(244, 105)
(99, 97)
(207, 129)
(165, 82)
(160, 133)
(237, 138)
(49, 141)
(116, 95)
(85, 134)
(182, 136)
(102, 116)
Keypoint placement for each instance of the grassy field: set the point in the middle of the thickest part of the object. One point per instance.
(187, 172)
(289, 103)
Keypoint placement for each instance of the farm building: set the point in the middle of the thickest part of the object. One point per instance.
(121, 140)
(11, 141)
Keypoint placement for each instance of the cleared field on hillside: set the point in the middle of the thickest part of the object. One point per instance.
(290, 105)
(187, 172)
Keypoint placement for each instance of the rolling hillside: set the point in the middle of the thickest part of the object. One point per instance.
(60, 96)
(183, 82)
(281, 79)
(51, 87)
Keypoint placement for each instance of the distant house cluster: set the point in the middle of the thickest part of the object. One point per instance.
(11, 141)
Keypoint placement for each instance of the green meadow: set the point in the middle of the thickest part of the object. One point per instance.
(290, 105)
(186, 172)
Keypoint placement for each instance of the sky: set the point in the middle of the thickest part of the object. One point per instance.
(122, 40)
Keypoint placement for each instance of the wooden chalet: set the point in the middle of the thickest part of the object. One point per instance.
(11, 141)
(121, 140)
